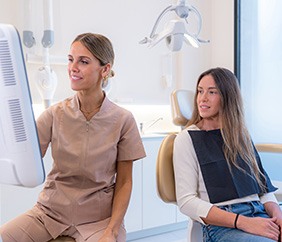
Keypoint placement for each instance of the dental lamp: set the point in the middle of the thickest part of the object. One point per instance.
(175, 32)
(46, 82)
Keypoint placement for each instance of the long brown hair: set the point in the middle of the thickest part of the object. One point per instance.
(237, 141)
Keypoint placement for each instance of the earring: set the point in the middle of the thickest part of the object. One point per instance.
(105, 82)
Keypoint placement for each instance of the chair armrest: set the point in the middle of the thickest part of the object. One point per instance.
(278, 193)
(271, 148)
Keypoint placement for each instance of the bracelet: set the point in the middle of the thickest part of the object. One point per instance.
(235, 221)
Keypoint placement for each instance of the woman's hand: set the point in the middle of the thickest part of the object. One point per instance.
(108, 236)
(279, 223)
(274, 211)
(266, 227)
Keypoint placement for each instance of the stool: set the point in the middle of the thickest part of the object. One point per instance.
(63, 239)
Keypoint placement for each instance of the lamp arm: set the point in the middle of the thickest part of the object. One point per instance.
(193, 9)
(159, 37)
(48, 35)
(28, 37)
(169, 8)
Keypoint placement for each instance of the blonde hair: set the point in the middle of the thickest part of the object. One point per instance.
(237, 141)
(100, 47)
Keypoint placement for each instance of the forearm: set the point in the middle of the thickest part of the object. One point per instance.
(121, 198)
(120, 204)
(219, 217)
(273, 210)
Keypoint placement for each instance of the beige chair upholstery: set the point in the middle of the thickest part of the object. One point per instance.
(182, 102)
(165, 172)
(63, 239)
(181, 107)
(271, 148)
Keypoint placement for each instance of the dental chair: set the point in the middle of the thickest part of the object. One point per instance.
(182, 107)
(166, 184)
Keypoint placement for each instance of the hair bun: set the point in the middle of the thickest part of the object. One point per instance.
(111, 74)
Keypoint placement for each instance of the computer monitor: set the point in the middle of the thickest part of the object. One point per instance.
(20, 156)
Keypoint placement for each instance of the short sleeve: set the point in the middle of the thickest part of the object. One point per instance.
(130, 146)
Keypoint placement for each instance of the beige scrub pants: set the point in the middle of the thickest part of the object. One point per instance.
(29, 227)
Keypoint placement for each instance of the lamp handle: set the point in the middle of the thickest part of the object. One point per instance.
(169, 8)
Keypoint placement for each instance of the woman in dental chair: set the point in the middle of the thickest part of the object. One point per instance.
(220, 181)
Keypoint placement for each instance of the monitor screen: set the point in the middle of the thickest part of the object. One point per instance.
(20, 157)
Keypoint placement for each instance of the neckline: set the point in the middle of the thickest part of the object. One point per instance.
(197, 128)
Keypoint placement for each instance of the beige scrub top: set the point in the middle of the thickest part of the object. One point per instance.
(79, 189)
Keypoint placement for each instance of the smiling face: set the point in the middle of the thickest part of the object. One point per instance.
(85, 70)
(208, 99)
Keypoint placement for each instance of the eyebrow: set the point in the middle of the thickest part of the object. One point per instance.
(81, 57)
(208, 87)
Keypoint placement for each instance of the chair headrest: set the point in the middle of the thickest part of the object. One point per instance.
(182, 103)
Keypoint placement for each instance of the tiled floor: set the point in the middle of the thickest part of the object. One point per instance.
(175, 236)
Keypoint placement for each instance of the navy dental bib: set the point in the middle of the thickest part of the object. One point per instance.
(221, 184)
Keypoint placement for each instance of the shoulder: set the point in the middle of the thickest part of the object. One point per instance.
(119, 109)
(61, 104)
(68, 103)
(183, 150)
(118, 112)
(183, 136)
(55, 109)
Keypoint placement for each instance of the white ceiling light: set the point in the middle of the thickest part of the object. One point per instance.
(175, 31)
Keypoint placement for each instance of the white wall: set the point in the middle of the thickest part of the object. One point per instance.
(138, 69)
(218, 27)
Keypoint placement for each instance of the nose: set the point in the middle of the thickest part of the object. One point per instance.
(203, 97)
(73, 66)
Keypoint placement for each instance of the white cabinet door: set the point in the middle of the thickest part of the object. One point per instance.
(133, 216)
(155, 211)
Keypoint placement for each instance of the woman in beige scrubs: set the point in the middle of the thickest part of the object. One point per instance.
(94, 143)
